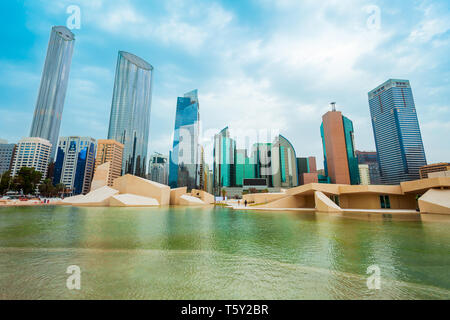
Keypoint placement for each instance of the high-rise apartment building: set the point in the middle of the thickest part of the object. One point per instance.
(130, 111)
(159, 168)
(110, 151)
(245, 167)
(396, 130)
(307, 170)
(262, 155)
(364, 174)
(284, 164)
(185, 156)
(340, 162)
(224, 161)
(371, 159)
(32, 153)
(52, 92)
(7, 151)
(74, 166)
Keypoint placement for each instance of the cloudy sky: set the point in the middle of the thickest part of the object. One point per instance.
(258, 64)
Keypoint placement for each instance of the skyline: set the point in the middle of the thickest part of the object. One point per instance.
(289, 97)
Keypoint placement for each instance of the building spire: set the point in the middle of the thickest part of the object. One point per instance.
(333, 106)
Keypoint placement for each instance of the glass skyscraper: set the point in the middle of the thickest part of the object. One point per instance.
(130, 111)
(396, 130)
(284, 163)
(224, 169)
(184, 170)
(52, 92)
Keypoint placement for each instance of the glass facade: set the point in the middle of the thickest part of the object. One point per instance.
(6, 156)
(351, 153)
(224, 169)
(184, 168)
(75, 161)
(396, 130)
(52, 92)
(130, 111)
(284, 163)
(371, 159)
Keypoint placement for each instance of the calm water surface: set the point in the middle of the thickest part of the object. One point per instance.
(191, 253)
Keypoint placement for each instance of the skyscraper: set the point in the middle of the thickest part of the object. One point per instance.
(262, 156)
(159, 168)
(340, 161)
(110, 151)
(284, 163)
(74, 166)
(7, 151)
(371, 159)
(130, 111)
(224, 169)
(52, 92)
(396, 130)
(185, 154)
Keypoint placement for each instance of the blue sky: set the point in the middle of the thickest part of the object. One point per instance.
(272, 64)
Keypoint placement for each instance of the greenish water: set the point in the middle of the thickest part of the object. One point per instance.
(191, 253)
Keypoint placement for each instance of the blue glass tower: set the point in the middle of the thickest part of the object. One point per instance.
(185, 154)
(52, 92)
(130, 111)
(396, 130)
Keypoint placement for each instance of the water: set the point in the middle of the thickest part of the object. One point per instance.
(192, 253)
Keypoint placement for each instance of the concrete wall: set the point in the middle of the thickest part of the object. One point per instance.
(175, 195)
(130, 184)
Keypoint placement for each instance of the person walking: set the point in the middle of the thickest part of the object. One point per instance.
(245, 202)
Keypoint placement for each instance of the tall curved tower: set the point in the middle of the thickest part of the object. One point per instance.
(52, 92)
(130, 111)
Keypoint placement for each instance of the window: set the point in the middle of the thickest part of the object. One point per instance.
(385, 202)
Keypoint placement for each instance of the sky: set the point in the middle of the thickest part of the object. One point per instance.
(258, 65)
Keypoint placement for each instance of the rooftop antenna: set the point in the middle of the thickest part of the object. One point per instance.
(333, 106)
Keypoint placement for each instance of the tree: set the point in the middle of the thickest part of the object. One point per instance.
(46, 188)
(27, 180)
(4, 182)
(59, 189)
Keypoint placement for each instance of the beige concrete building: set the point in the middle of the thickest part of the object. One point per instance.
(110, 151)
(363, 200)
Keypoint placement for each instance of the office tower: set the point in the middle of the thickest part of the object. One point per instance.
(307, 170)
(340, 161)
(396, 131)
(159, 168)
(364, 174)
(7, 151)
(210, 182)
(245, 167)
(130, 111)
(284, 163)
(52, 92)
(224, 157)
(262, 155)
(110, 151)
(185, 154)
(371, 159)
(74, 166)
(32, 153)
(435, 167)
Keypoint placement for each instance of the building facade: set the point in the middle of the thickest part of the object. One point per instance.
(262, 155)
(396, 130)
(52, 92)
(224, 154)
(435, 167)
(110, 151)
(32, 153)
(364, 174)
(7, 151)
(245, 167)
(74, 166)
(371, 159)
(185, 156)
(307, 170)
(159, 168)
(340, 161)
(284, 164)
(130, 111)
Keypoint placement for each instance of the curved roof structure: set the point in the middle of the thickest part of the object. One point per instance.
(139, 62)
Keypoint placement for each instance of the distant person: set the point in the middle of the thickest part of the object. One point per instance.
(245, 202)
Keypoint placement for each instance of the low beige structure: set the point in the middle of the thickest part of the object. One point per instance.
(373, 200)
(206, 197)
(96, 198)
(187, 200)
(131, 200)
(129, 184)
(175, 195)
(101, 176)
